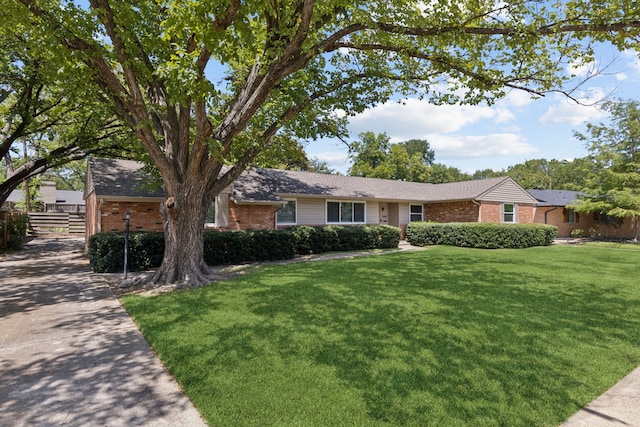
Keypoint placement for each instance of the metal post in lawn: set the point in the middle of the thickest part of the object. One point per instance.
(127, 216)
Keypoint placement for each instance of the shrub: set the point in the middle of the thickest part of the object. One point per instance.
(388, 237)
(106, 250)
(481, 235)
(577, 233)
(334, 238)
(230, 247)
(235, 247)
(16, 225)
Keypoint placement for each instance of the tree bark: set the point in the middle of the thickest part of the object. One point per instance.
(184, 213)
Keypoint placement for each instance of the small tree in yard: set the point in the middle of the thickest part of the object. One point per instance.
(208, 83)
(614, 190)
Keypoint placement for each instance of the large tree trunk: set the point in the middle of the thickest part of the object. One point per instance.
(184, 214)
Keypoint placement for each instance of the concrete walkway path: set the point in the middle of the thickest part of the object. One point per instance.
(69, 353)
(618, 406)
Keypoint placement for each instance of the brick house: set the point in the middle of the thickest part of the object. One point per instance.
(552, 209)
(270, 198)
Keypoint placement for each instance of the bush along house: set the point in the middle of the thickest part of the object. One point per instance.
(269, 199)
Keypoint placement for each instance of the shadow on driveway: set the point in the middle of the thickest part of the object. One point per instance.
(69, 353)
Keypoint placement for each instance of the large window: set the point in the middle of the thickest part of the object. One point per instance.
(287, 214)
(415, 213)
(509, 212)
(345, 212)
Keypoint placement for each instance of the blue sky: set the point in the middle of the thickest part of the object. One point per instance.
(513, 130)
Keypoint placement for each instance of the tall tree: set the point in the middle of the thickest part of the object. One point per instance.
(614, 189)
(375, 157)
(202, 82)
(49, 114)
(369, 154)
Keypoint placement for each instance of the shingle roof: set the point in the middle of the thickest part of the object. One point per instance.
(268, 184)
(123, 178)
(111, 177)
(69, 197)
(554, 197)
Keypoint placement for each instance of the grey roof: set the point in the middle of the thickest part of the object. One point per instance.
(15, 195)
(272, 184)
(123, 178)
(62, 196)
(265, 184)
(554, 197)
(69, 197)
(111, 177)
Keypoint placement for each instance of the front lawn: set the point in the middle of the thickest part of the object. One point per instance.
(445, 336)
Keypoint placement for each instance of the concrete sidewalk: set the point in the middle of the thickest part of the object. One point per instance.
(69, 353)
(618, 406)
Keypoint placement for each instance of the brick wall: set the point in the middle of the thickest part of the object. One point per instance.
(251, 217)
(555, 216)
(91, 218)
(492, 212)
(144, 216)
(526, 214)
(451, 212)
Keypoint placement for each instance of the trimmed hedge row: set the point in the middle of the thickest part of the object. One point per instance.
(481, 235)
(234, 247)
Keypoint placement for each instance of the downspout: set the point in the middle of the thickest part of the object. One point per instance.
(99, 221)
(479, 205)
(546, 212)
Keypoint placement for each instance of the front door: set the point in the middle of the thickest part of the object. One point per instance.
(384, 213)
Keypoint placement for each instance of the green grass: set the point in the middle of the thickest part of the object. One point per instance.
(446, 336)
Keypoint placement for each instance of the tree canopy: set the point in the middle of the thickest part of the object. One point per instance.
(208, 83)
(374, 156)
(49, 113)
(613, 188)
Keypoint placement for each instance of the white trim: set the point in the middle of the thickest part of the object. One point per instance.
(326, 213)
(514, 213)
(412, 213)
(296, 213)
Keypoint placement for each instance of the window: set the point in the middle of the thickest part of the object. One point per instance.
(509, 212)
(415, 213)
(287, 213)
(570, 216)
(345, 212)
(210, 217)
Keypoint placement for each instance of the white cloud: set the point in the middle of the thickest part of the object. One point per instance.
(418, 119)
(575, 113)
(582, 69)
(633, 59)
(331, 157)
(465, 147)
(515, 98)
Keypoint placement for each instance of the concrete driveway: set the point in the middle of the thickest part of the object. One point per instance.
(69, 353)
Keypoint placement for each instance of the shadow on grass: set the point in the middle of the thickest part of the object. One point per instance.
(433, 338)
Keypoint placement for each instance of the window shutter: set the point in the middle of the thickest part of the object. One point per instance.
(577, 217)
(564, 214)
(223, 210)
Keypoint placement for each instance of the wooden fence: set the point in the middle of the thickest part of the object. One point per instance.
(42, 223)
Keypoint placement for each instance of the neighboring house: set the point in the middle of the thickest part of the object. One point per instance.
(53, 200)
(270, 198)
(552, 209)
